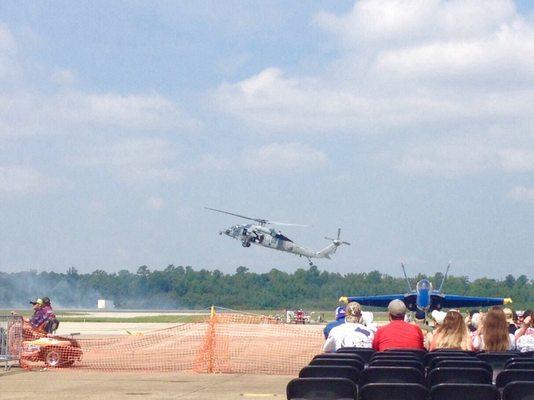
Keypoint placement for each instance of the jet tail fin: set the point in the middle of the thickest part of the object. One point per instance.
(408, 285)
(444, 277)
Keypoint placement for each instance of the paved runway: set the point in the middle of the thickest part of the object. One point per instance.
(68, 385)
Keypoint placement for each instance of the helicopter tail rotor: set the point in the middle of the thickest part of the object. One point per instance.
(337, 241)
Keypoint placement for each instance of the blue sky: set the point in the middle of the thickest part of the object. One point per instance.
(409, 124)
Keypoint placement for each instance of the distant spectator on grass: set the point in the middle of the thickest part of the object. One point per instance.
(351, 333)
(367, 320)
(340, 319)
(472, 320)
(493, 334)
(398, 334)
(421, 322)
(452, 333)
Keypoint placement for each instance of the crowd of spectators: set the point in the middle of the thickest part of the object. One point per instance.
(495, 330)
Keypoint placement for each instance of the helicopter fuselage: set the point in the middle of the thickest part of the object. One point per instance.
(267, 237)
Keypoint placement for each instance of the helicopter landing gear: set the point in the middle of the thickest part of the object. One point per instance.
(310, 262)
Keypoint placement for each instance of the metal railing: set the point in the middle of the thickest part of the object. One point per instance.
(10, 339)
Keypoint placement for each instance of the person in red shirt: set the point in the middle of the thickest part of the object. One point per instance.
(398, 334)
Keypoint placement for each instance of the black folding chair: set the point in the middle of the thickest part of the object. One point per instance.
(338, 361)
(395, 356)
(385, 362)
(459, 364)
(437, 360)
(365, 354)
(464, 391)
(374, 374)
(393, 391)
(519, 365)
(511, 375)
(468, 352)
(331, 371)
(457, 375)
(518, 391)
(428, 357)
(418, 352)
(321, 389)
(518, 359)
(340, 355)
(497, 360)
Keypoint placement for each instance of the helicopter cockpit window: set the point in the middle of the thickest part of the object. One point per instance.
(424, 284)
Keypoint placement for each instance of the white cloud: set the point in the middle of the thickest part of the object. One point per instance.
(522, 194)
(8, 48)
(63, 77)
(155, 203)
(423, 70)
(71, 113)
(134, 160)
(21, 180)
(288, 157)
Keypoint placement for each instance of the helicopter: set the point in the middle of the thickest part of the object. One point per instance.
(262, 235)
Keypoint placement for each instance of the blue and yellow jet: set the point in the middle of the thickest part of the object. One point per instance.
(426, 299)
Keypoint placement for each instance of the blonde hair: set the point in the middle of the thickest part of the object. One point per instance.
(453, 333)
(495, 331)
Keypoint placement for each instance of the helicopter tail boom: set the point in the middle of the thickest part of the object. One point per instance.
(332, 247)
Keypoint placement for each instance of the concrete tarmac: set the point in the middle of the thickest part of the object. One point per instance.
(67, 385)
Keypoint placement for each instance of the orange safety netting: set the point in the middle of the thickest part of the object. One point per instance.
(224, 343)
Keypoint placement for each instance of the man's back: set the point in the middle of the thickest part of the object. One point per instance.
(398, 334)
(349, 334)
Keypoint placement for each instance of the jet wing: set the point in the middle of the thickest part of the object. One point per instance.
(455, 301)
(377, 301)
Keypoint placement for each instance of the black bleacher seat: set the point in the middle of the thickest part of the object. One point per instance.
(468, 352)
(373, 374)
(427, 359)
(393, 362)
(518, 391)
(365, 354)
(321, 389)
(436, 360)
(497, 360)
(340, 355)
(519, 365)
(461, 363)
(457, 375)
(331, 371)
(511, 375)
(520, 359)
(418, 352)
(393, 391)
(351, 362)
(459, 391)
(396, 356)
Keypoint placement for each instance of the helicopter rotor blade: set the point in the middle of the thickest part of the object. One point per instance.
(235, 215)
(286, 224)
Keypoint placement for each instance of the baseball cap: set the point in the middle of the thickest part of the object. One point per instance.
(353, 308)
(46, 300)
(37, 301)
(340, 312)
(397, 308)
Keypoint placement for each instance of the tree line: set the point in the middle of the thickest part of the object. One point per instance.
(184, 287)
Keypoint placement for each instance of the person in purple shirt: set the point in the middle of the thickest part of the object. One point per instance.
(39, 313)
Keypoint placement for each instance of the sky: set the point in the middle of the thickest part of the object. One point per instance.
(409, 124)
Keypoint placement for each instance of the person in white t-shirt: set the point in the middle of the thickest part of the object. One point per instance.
(350, 334)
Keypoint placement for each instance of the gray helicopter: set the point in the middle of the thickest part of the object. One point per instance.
(262, 235)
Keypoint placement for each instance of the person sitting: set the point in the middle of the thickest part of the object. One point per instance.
(493, 333)
(524, 336)
(351, 333)
(398, 334)
(340, 319)
(51, 322)
(452, 333)
(512, 327)
(39, 314)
